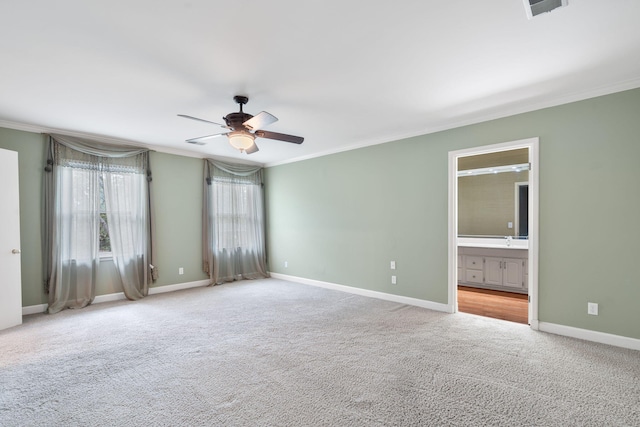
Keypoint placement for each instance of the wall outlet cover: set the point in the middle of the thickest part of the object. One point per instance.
(592, 308)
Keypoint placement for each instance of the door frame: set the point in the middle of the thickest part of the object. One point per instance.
(533, 145)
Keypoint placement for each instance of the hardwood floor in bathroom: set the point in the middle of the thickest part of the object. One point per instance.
(497, 304)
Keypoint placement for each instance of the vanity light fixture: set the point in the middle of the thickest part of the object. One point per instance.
(495, 169)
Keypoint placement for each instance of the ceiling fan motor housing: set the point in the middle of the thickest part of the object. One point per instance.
(236, 120)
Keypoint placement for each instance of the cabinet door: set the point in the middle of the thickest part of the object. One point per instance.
(493, 271)
(513, 274)
(473, 276)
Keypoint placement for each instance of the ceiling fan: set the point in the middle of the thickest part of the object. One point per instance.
(244, 128)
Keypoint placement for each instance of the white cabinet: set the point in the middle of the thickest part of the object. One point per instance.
(500, 269)
(473, 267)
(507, 272)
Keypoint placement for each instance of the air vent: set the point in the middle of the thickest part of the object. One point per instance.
(536, 7)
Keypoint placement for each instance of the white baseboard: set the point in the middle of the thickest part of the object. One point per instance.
(568, 331)
(585, 334)
(367, 293)
(41, 308)
(178, 287)
(34, 309)
(109, 297)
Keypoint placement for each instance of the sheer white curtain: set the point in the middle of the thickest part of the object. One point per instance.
(76, 233)
(126, 205)
(233, 216)
(76, 171)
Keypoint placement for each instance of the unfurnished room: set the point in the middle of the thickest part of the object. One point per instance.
(285, 213)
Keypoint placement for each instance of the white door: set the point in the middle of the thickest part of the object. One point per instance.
(10, 280)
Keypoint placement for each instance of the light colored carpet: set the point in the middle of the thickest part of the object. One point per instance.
(273, 353)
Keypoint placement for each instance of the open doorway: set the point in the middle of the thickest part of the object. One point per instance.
(493, 230)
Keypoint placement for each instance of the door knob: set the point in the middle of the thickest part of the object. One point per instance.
(15, 251)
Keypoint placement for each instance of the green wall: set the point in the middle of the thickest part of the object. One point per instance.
(341, 218)
(177, 190)
(31, 155)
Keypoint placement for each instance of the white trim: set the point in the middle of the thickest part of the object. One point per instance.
(178, 287)
(532, 144)
(367, 293)
(587, 335)
(41, 308)
(512, 110)
(34, 309)
(26, 127)
(117, 296)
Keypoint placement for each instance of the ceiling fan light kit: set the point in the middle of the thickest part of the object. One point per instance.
(241, 140)
(241, 125)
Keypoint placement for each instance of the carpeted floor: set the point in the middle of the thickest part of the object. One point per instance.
(274, 353)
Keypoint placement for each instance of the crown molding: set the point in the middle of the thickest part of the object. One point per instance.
(28, 127)
(525, 107)
(512, 110)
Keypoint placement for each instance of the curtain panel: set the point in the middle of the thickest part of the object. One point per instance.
(233, 218)
(82, 179)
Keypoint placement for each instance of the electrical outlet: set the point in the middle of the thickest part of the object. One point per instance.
(592, 308)
(286, 264)
(181, 270)
(393, 280)
(393, 265)
(509, 224)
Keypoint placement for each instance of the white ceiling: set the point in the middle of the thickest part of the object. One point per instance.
(343, 74)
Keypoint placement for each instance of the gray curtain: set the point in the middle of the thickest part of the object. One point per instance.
(234, 246)
(75, 169)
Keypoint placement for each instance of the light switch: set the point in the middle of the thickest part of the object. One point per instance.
(393, 265)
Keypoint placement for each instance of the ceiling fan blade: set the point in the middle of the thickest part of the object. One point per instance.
(260, 120)
(201, 120)
(279, 136)
(252, 149)
(200, 140)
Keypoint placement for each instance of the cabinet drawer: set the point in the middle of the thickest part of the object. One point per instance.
(473, 276)
(473, 262)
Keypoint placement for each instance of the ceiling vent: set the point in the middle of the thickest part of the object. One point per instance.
(536, 7)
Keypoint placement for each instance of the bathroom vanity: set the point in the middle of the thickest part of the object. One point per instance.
(493, 263)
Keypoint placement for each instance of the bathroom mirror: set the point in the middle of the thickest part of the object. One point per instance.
(493, 194)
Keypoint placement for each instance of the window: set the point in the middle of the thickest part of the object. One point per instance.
(234, 237)
(105, 241)
(97, 204)
(237, 217)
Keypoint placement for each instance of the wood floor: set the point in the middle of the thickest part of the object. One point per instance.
(496, 304)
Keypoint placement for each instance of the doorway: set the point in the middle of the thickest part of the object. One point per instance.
(492, 255)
